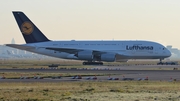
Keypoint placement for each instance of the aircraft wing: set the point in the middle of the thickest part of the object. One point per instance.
(119, 56)
(67, 50)
(73, 51)
(23, 47)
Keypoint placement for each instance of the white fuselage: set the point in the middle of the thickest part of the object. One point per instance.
(122, 49)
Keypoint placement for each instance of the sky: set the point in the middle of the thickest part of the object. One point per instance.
(152, 20)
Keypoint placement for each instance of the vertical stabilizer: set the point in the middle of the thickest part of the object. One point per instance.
(29, 31)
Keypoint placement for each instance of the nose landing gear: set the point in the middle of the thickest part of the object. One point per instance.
(160, 62)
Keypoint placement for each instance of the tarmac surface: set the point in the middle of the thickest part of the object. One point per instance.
(120, 72)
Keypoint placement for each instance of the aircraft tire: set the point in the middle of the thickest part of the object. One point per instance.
(92, 63)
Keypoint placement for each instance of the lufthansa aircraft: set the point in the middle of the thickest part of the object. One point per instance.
(92, 52)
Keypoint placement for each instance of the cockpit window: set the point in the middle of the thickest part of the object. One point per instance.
(163, 48)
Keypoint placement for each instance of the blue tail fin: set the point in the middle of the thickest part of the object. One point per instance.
(29, 31)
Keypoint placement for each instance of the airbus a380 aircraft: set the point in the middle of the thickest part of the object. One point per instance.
(93, 52)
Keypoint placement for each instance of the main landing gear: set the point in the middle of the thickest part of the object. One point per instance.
(92, 63)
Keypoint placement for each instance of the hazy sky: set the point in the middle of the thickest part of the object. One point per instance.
(154, 20)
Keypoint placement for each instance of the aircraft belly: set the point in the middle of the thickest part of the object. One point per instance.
(142, 57)
(138, 55)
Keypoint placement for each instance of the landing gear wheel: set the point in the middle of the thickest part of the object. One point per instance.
(84, 63)
(160, 62)
(92, 63)
(100, 63)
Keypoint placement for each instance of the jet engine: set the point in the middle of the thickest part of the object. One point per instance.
(85, 55)
(121, 60)
(108, 57)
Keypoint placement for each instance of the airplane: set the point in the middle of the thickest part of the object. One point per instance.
(91, 52)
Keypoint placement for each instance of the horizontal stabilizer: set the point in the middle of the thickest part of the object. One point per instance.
(20, 46)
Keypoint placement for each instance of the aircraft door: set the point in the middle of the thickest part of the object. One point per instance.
(156, 51)
(123, 47)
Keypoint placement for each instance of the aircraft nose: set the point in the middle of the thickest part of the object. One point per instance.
(168, 53)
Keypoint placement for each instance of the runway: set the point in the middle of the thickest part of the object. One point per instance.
(152, 75)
